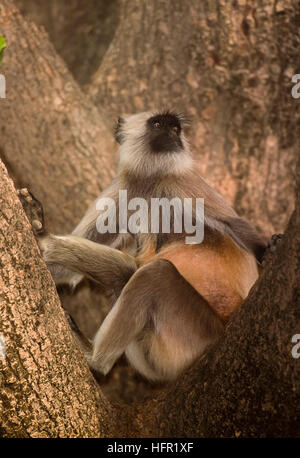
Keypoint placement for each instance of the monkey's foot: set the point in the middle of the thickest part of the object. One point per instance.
(34, 211)
(271, 247)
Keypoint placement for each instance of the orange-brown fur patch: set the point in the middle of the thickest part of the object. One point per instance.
(222, 273)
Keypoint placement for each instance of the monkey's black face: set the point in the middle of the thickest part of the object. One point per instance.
(163, 133)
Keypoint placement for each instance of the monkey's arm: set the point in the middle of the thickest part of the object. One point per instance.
(108, 267)
(35, 214)
(61, 273)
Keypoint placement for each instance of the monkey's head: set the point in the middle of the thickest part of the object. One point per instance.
(153, 142)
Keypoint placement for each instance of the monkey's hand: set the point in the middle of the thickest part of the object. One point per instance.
(271, 247)
(34, 211)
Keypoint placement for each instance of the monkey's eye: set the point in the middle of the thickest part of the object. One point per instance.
(176, 129)
(156, 125)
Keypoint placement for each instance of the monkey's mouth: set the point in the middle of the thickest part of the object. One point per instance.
(165, 143)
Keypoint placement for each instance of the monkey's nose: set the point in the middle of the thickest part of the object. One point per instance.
(172, 133)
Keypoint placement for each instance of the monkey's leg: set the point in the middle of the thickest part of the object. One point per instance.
(108, 267)
(160, 322)
(124, 322)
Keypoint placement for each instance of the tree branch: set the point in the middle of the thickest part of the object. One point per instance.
(45, 384)
(53, 139)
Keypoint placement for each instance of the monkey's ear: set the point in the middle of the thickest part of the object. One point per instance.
(118, 130)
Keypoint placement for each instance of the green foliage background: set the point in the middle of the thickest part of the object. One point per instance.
(2, 47)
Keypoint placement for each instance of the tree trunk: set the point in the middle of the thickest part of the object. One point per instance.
(226, 64)
(80, 30)
(53, 139)
(46, 387)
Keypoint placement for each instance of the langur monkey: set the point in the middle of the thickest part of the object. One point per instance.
(170, 299)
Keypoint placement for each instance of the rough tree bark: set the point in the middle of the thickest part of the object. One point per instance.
(46, 389)
(246, 385)
(53, 139)
(227, 64)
